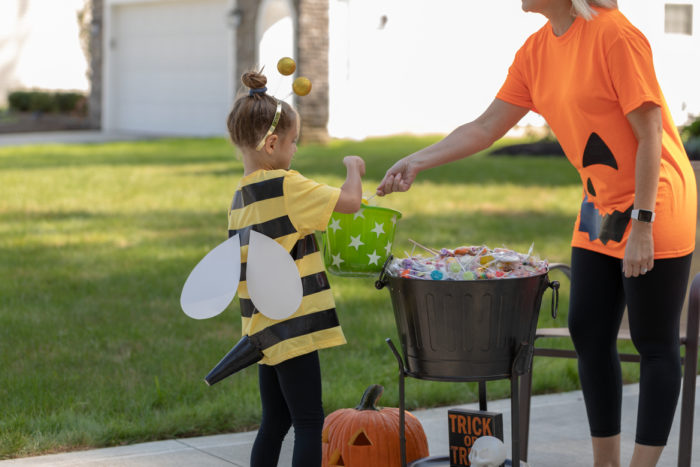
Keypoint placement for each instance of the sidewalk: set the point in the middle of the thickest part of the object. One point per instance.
(558, 437)
(73, 137)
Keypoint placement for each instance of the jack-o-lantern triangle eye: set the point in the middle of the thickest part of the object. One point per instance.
(360, 439)
(336, 459)
(597, 152)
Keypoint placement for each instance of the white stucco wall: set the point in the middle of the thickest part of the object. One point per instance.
(432, 65)
(676, 56)
(39, 46)
(437, 64)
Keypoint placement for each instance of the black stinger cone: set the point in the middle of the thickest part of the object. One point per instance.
(241, 356)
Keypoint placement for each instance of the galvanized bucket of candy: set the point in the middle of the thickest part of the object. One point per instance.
(468, 314)
(463, 315)
(358, 244)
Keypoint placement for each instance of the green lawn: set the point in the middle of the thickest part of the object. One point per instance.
(97, 240)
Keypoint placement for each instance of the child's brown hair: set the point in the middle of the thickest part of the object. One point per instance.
(252, 113)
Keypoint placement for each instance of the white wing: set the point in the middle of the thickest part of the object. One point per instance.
(213, 282)
(272, 277)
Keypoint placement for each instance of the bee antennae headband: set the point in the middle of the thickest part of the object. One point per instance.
(275, 121)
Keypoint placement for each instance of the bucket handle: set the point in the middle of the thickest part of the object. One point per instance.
(382, 281)
(566, 269)
(554, 285)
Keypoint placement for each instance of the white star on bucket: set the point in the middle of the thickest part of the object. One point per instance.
(355, 242)
(387, 248)
(378, 228)
(335, 225)
(337, 260)
(359, 214)
(393, 220)
(374, 257)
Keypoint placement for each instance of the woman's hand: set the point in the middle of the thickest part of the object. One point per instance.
(464, 141)
(639, 252)
(398, 178)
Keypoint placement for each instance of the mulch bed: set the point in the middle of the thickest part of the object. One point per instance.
(28, 122)
(538, 148)
(553, 149)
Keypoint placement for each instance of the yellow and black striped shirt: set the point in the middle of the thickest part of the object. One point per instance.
(287, 207)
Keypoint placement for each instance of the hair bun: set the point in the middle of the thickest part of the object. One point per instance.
(254, 79)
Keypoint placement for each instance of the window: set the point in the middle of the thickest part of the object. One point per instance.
(678, 19)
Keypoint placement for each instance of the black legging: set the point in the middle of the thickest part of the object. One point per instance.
(291, 395)
(599, 293)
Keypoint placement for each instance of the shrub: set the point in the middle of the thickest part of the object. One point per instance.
(19, 101)
(41, 102)
(69, 101)
(691, 130)
(46, 101)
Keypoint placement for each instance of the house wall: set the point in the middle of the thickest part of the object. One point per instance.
(40, 46)
(676, 56)
(410, 66)
(392, 66)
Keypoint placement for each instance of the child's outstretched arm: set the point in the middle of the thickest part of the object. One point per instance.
(351, 192)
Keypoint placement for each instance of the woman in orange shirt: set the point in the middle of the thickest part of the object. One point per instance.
(590, 74)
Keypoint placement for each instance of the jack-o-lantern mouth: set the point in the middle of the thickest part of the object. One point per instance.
(596, 153)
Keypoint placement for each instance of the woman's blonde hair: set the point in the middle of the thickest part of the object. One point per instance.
(584, 8)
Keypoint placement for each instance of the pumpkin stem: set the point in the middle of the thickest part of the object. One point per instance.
(370, 397)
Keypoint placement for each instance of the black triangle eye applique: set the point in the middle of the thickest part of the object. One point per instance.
(604, 227)
(597, 152)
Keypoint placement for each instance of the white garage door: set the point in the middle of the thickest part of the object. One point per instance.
(171, 67)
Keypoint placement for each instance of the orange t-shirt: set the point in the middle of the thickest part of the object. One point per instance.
(584, 83)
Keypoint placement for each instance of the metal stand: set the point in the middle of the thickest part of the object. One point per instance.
(521, 365)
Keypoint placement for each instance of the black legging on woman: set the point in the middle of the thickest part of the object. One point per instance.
(291, 396)
(599, 294)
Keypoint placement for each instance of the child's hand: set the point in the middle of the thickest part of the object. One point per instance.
(350, 199)
(355, 162)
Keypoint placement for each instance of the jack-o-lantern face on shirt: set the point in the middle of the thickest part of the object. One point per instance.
(597, 163)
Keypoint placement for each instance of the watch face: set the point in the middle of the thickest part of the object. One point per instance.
(645, 216)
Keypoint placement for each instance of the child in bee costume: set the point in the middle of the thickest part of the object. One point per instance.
(286, 207)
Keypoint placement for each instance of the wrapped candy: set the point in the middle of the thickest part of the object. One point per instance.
(468, 263)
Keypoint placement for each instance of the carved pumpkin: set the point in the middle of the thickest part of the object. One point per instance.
(369, 437)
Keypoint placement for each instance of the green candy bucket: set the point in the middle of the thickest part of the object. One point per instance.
(358, 244)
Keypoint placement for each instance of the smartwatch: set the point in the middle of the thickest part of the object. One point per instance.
(642, 215)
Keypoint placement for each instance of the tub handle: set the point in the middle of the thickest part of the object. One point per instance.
(382, 281)
(554, 285)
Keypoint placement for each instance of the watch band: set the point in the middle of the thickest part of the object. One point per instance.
(643, 215)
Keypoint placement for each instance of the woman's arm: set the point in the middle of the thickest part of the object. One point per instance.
(647, 126)
(464, 141)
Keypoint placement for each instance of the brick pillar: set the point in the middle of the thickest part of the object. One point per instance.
(312, 62)
(311, 30)
(95, 78)
(246, 47)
